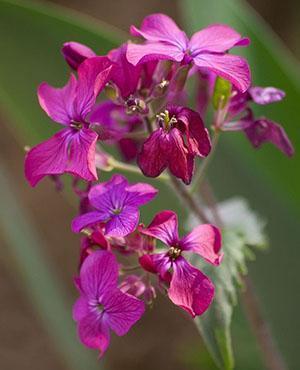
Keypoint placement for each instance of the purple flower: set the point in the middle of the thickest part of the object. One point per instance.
(260, 130)
(101, 306)
(180, 137)
(189, 288)
(207, 49)
(117, 204)
(76, 53)
(72, 149)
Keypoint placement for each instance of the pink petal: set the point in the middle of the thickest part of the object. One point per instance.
(81, 308)
(94, 333)
(140, 194)
(263, 130)
(266, 95)
(160, 27)
(58, 102)
(48, 158)
(76, 53)
(230, 67)
(158, 263)
(99, 274)
(88, 219)
(124, 223)
(151, 51)
(164, 227)
(205, 240)
(122, 311)
(82, 155)
(190, 289)
(216, 38)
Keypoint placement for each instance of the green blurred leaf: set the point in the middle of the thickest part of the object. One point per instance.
(242, 228)
(272, 65)
(221, 93)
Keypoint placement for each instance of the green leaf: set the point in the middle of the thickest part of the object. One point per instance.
(242, 228)
(221, 93)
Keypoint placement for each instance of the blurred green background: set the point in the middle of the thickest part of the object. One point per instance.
(39, 253)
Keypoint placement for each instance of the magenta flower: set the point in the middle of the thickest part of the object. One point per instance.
(260, 130)
(207, 49)
(180, 137)
(72, 149)
(117, 204)
(189, 288)
(101, 306)
(76, 53)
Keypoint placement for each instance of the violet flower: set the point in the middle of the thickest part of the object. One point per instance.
(189, 288)
(72, 149)
(101, 306)
(207, 48)
(258, 130)
(180, 137)
(116, 204)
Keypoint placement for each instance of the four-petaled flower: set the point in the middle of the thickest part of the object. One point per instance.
(116, 204)
(102, 305)
(72, 149)
(207, 48)
(180, 136)
(189, 288)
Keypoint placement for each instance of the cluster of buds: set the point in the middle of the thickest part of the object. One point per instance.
(143, 112)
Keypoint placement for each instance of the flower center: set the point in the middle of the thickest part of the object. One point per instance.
(174, 252)
(135, 105)
(100, 307)
(165, 121)
(76, 125)
(116, 211)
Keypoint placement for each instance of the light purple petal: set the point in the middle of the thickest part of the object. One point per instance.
(123, 223)
(48, 158)
(88, 219)
(205, 240)
(99, 274)
(266, 95)
(151, 51)
(82, 155)
(230, 67)
(58, 102)
(81, 308)
(216, 38)
(140, 194)
(75, 53)
(122, 311)
(264, 130)
(94, 333)
(164, 227)
(93, 74)
(190, 289)
(160, 27)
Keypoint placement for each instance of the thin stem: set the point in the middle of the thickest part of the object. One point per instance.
(133, 169)
(188, 199)
(199, 177)
(272, 357)
(148, 122)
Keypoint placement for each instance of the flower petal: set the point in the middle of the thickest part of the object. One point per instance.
(160, 27)
(216, 38)
(99, 274)
(48, 158)
(58, 102)
(94, 333)
(158, 263)
(88, 219)
(123, 223)
(122, 310)
(81, 308)
(150, 51)
(266, 95)
(82, 155)
(204, 240)
(140, 194)
(76, 53)
(190, 289)
(164, 227)
(231, 67)
(264, 130)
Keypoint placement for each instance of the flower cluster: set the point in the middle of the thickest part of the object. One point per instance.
(135, 98)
